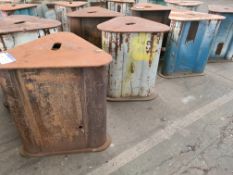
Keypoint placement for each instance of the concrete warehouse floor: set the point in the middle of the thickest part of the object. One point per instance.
(187, 130)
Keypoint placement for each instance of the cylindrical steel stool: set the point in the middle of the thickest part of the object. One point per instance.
(58, 89)
(63, 7)
(18, 9)
(122, 6)
(83, 22)
(135, 45)
(184, 4)
(153, 12)
(19, 29)
(222, 48)
(189, 43)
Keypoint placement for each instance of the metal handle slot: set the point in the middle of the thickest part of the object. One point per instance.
(56, 46)
(19, 22)
(130, 23)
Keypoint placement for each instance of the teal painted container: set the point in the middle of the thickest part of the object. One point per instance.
(18, 9)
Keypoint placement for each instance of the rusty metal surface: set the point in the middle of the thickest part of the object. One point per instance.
(23, 23)
(59, 50)
(93, 12)
(9, 7)
(132, 24)
(83, 22)
(59, 110)
(184, 2)
(70, 4)
(132, 74)
(220, 8)
(122, 1)
(193, 16)
(150, 7)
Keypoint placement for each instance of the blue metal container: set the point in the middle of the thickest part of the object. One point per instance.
(189, 43)
(18, 9)
(222, 48)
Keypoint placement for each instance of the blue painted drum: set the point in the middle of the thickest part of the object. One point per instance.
(189, 43)
(222, 48)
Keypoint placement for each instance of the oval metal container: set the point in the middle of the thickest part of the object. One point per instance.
(58, 95)
(222, 48)
(84, 22)
(189, 43)
(18, 9)
(122, 6)
(19, 29)
(184, 4)
(64, 7)
(135, 45)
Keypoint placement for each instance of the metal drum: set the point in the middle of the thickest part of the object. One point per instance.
(122, 6)
(222, 48)
(189, 43)
(83, 22)
(58, 95)
(184, 4)
(19, 29)
(135, 44)
(18, 9)
(153, 12)
(64, 7)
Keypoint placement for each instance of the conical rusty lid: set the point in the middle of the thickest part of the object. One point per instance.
(70, 4)
(220, 8)
(93, 12)
(58, 50)
(150, 7)
(22, 23)
(131, 24)
(186, 3)
(10, 7)
(193, 16)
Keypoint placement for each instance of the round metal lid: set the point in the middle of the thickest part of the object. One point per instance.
(221, 8)
(9, 7)
(131, 24)
(58, 50)
(150, 7)
(22, 23)
(70, 4)
(93, 12)
(184, 2)
(193, 16)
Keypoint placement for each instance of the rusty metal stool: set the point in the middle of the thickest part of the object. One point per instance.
(83, 22)
(58, 95)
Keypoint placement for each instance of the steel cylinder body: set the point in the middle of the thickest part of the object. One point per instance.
(58, 110)
(12, 40)
(123, 7)
(188, 46)
(61, 13)
(222, 48)
(135, 61)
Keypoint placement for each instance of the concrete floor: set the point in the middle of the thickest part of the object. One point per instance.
(187, 130)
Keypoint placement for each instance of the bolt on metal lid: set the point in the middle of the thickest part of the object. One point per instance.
(193, 16)
(186, 3)
(70, 4)
(150, 7)
(122, 1)
(221, 8)
(58, 50)
(131, 24)
(10, 7)
(23, 23)
(94, 12)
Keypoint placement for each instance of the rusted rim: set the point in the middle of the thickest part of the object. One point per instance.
(9, 7)
(72, 4)
(186, 3)
(103, 147)
(150, 7)
(220, 8)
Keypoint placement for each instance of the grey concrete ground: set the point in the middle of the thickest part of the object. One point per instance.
(187, 130)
